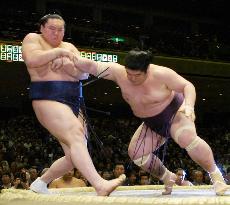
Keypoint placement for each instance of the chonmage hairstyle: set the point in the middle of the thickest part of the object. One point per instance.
(138, 60)
(45, 18)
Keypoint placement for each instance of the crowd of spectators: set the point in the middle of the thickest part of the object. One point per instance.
(27, 149)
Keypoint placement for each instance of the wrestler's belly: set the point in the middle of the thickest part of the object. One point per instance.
(51, 76)
(151, 109)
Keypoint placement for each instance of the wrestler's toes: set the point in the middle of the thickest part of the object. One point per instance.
(167, 191)
(169, 182)
(122, 178)
(220, 188)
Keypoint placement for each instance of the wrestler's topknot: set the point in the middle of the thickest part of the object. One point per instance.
(138, 60)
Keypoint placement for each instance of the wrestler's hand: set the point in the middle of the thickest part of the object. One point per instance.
(62, 52)
(67, 62)
(69, 67)
(189, 112)
(76, 61)
(57, 64)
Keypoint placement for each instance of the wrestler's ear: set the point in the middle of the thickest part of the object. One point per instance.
(42, 28)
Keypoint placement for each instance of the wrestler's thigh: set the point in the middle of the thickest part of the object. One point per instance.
(143, 142)
(57, 118)
(179, 121)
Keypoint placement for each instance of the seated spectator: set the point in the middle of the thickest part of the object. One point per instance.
(119, 169)
(5, 166)
(67, 181)
(144, 178)
(21, 180)
(33, 174)
(181, 181)
(198, 178)
(106, 175)
(19, 184)
(5, 181)
(132, 179)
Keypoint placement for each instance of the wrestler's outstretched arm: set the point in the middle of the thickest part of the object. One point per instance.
(106, 70)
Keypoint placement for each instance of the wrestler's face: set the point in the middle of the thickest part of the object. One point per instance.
(136, 77)
(53, 32)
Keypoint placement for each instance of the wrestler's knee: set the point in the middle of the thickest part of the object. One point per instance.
(186, 137)
(142, 161)
(193, 144)
(190, 143)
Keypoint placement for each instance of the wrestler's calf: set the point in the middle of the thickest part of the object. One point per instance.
(153, 165)
(201, 153)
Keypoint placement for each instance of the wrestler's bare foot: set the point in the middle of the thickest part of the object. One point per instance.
(219, 184)
(108, 186)
(169, 181)
(220, 188)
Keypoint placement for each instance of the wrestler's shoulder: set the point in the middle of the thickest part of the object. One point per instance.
(32, 36)
(67, 44)
(158, 70)
(116, 66)
(158, 67)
